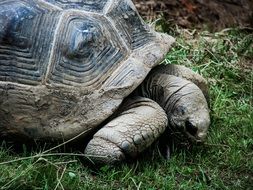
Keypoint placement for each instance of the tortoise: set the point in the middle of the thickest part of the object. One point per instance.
(79, 68)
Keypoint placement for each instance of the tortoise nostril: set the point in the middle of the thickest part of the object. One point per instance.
(191, 128)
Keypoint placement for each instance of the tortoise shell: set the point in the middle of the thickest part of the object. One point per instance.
(66, 65)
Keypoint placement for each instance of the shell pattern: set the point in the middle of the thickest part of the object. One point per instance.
(66, 65)
(41, 43)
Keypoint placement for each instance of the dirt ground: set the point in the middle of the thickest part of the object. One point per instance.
(213, 15)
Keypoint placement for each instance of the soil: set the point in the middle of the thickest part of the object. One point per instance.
(213, 15)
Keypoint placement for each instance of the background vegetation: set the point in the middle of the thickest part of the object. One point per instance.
(223, 162)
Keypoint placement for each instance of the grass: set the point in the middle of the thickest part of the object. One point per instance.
(223, 162)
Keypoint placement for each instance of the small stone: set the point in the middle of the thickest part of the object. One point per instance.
(72, 175)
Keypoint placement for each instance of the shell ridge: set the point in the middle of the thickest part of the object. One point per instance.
(107, 7)
(50, 61)
(50, 4)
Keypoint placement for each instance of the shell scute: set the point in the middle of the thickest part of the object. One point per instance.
(130, 25)
(87, 50)
(25, 42)
(86, 5)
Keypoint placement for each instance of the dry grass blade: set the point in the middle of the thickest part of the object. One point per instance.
(59, 179)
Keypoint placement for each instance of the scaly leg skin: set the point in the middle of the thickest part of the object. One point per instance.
(139, 123)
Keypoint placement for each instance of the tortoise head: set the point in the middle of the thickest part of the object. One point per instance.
(191, 116)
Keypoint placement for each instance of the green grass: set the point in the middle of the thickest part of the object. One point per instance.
(223, 162)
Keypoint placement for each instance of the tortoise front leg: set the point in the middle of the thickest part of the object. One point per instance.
(140, 122)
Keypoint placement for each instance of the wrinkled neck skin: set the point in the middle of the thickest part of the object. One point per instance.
(183, 102)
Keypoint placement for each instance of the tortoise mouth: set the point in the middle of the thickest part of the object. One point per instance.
(199, 137)
(190, 128)
(194, 133)
(194, 139)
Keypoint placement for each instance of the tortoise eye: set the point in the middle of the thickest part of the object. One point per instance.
(180, 110)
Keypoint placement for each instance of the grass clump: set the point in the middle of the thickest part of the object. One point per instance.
(223, 162)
